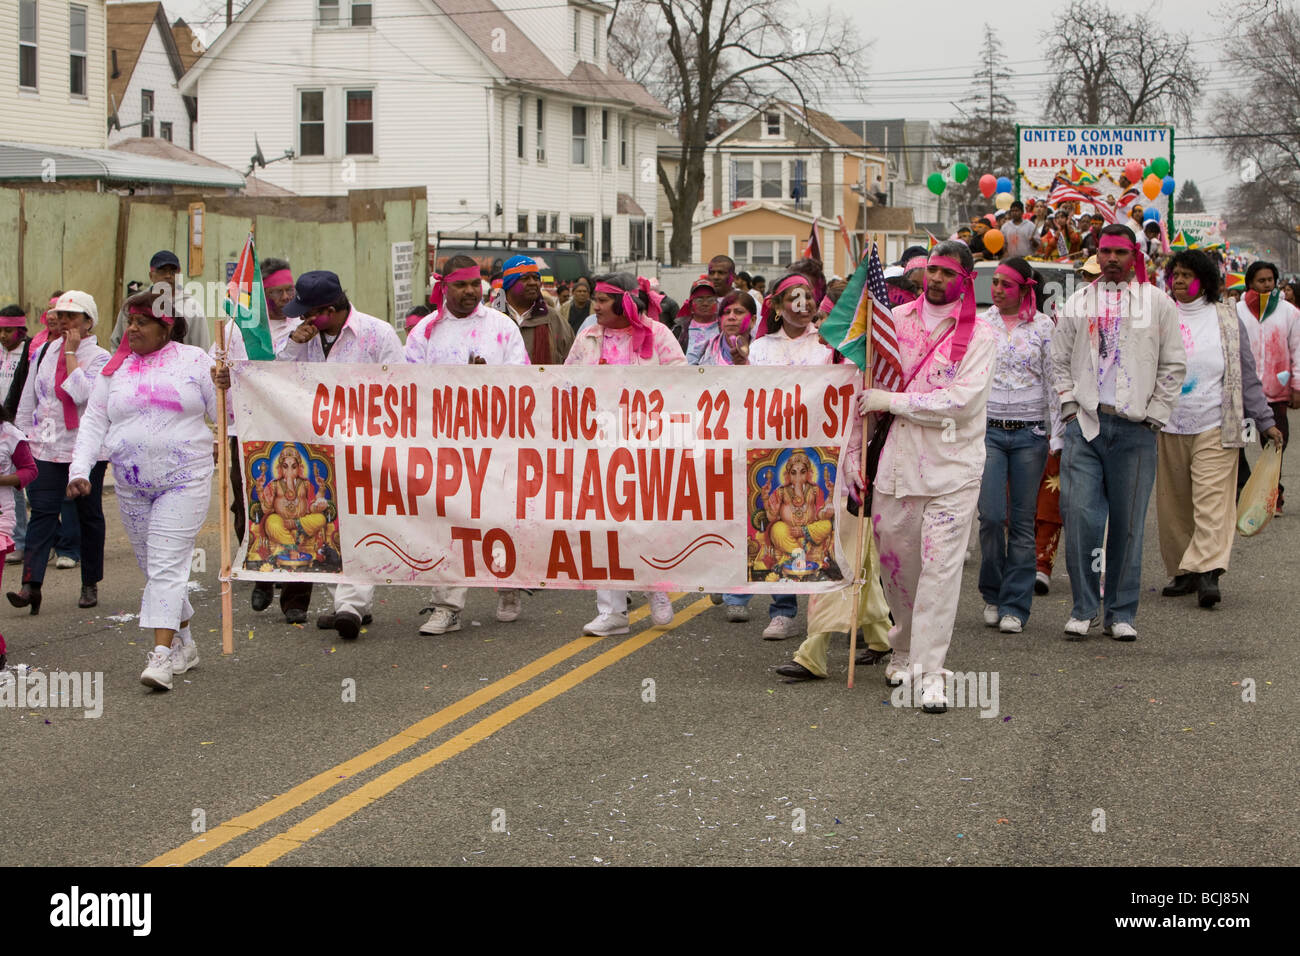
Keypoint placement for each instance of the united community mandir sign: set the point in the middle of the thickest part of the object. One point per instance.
(1088, 155)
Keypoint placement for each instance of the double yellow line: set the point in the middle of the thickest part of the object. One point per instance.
(277, 846)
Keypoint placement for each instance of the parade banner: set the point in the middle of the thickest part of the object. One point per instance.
(1200, 230)
(717, 479)
(1087, 155)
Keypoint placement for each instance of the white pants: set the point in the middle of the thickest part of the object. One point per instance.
(453, 598)
(921, 543)
(356, 598)
(614, 602)
(162, 526)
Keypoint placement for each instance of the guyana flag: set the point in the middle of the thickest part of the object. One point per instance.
(246, 304)
(931, 242)
(1078, 175)
(1234, 281)
(1179, 241)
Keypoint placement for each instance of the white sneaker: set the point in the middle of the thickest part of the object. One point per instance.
(991, 615)
(64, 562)
(737, 613)
(1077, 630)
(1042, 583)
(1010, 624)
(606, 624)
(898, 670)
(443, 620)
(185, 657)
(780, 628)
(15, 557)
(507, 605)
(1122, 631)
(661, 608)
(934, 696)
(158, 669)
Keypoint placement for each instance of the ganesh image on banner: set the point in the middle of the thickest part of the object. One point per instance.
(293, 517)
(790, 503)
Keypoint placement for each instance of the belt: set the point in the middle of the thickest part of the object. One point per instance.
(1012, 425)
(1109, 410)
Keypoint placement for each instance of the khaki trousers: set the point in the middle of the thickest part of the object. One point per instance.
(1196, 493)
(832, 613)
(922, 546)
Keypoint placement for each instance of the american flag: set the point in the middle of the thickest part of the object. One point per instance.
(1063, 191)
(886, 366)
(865, 304)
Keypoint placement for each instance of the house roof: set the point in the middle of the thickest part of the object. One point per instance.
(513, 56)
(827, 125)
(627, 206)
(188, 45)
(783, 209)
(157, 148)
(128, 30)
(28, 161)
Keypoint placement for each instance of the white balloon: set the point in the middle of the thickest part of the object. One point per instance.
(1003, 200)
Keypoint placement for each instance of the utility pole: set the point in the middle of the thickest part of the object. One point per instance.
(229, 12)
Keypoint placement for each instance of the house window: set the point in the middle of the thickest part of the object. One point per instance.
(772, 123)
(581, 226)
(165, 131)
(519, 131)
(799, 183)
(27, 44)
(361, 13)
(77, 50)
(604, 138)
(607, 239)
(743, 177)
(555, 222)
(521, 222)
(579, 153)
(311, 123)
(541, 130)
(622, 141)
(763, 252)
(577, 29)
(595, 36)
(146, 112)
(636, 237)
(360, 124)
(327, 13)
(770, 170)
(649, 238)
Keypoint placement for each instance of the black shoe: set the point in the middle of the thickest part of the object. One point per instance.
(795, 671)
(263, 592)
(868, 657)
(1207, 589)
(295, 616)
(89, 596)
(30, 595)
(328, 622)
(1180, 585)
(348, 625)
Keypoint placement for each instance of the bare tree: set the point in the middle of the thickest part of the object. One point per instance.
(1260, 123)
(1115, 68)
(722, 55)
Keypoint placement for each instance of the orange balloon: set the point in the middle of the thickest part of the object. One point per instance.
(994, 241)
(1151, 186)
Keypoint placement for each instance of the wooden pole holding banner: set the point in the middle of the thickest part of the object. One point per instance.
(858, 579)
(223, 472)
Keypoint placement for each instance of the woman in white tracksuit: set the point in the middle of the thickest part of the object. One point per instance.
(148, 409)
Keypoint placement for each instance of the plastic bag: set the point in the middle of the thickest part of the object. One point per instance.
(1259, 497)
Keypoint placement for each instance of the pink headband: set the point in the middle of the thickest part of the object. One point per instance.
(124, 346)
(642, 334)
(966, 315)
(277, 278)
(1028, 305)
(769, 304)
(1120, 242)
(916, 262)
(655, 308)
(440, 282)
(13, 321)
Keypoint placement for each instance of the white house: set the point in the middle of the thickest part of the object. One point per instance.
(773, 174)
(508, 111)
(52, 72)
(144, 64)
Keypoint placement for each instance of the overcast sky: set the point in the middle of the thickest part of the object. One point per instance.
(924, 53)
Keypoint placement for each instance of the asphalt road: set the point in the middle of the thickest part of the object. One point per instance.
(525, 744)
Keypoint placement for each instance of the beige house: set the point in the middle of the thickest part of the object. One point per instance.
(52, 72)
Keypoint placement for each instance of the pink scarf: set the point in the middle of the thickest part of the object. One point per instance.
(1028, 304)
(439, 289)
(966, 313)
(642, 332)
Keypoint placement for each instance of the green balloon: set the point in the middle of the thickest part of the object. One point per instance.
(935, 183)
(1160, 166)
(1150, 170)
(960, 171)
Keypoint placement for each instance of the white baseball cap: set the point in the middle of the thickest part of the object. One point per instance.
(75, 301)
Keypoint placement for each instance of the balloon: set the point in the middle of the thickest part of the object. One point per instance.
(1167, 188)
(1133, 172)
(1003, 200)
(960, 171)
(1147, 172)
(1004, 184)
(994, 241)
(988, 185)
(1152, 214)
(1160, 166)
(1151, 186)
(935, 183)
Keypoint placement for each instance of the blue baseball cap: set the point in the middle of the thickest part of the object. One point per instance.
(164, 257)
(313, 290)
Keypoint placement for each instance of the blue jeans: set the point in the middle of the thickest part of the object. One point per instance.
(67, 543)
(20, 518)
(783, 605)
(47, 494)
(1013, 469)
(1110, 476)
